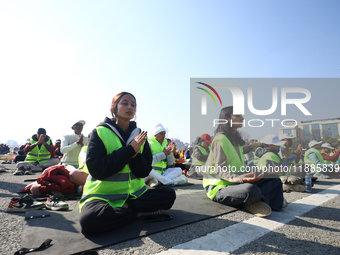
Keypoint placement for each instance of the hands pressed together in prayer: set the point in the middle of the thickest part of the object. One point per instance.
(138, 142)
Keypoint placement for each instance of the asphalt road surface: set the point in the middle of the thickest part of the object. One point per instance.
(309, 225)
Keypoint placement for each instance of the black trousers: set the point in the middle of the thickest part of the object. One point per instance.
(268, 190)
(98, 216)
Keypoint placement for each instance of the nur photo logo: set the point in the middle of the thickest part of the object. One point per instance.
(204, 97)
(238, 99)
(263, 102)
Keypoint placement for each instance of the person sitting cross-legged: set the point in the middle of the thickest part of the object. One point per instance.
(163, 170)
(39, 154)
(224, 178)
(118, 158)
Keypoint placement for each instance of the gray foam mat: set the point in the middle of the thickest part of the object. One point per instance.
(64, 229)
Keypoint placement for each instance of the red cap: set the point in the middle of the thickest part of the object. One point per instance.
(206, 137)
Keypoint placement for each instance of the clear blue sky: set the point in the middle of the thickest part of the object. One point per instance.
(61, 61)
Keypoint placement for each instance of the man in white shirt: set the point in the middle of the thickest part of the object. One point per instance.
(71, 146)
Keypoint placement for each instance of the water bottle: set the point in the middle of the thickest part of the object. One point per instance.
(308, 182)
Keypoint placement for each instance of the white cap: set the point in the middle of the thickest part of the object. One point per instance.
(286, 136)
(272, 139)
(327, 145)
(158, 128)
(80, 121)
(312, 143)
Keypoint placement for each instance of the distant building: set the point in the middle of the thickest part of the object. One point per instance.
(313, 129)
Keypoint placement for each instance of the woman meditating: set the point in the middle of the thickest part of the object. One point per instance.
(118, 158)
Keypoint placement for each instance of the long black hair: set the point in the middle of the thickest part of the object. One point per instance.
(226, 129)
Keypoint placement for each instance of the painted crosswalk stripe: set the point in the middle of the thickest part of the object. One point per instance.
(251, 229)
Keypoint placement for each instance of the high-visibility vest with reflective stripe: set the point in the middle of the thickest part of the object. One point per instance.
(327, 161)
(117, 188)
(318, 154)
(195, 161)
(80, 163)
(266, 157)
(156, 148)
(41, 155)
(211, 182)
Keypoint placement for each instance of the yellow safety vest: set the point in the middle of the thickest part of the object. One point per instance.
(327, 161)
(266, 157)
(211, 182)
(195, 161)
(318, 154)
(117, 188)
(156, 148)
(80, 163)
(41, 155)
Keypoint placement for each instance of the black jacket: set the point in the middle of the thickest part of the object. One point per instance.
(101, 165)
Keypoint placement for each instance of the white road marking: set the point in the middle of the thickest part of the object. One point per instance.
(247, 231)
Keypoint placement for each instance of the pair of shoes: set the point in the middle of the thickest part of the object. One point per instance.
(321, 175)
(179, 181)
(153, 183)
(24, 204)
(297, 187)
(19, 171)
(56, 203)
(259, 209)
(284, 203)
(23, 170)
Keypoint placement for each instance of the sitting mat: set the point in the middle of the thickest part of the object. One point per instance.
(64, 229)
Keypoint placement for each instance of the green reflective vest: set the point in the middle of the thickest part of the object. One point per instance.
(211, 182)
(318, 154)
(156, 148)
(80, 163)
(268, 156)
(195, 161)
(41, 155)
(117, 188)
(327, 161)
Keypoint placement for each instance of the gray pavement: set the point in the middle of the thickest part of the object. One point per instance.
(315, 232)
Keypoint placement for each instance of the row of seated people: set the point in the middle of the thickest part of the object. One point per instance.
(117, 149)
(119, 157)
(40, 156)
